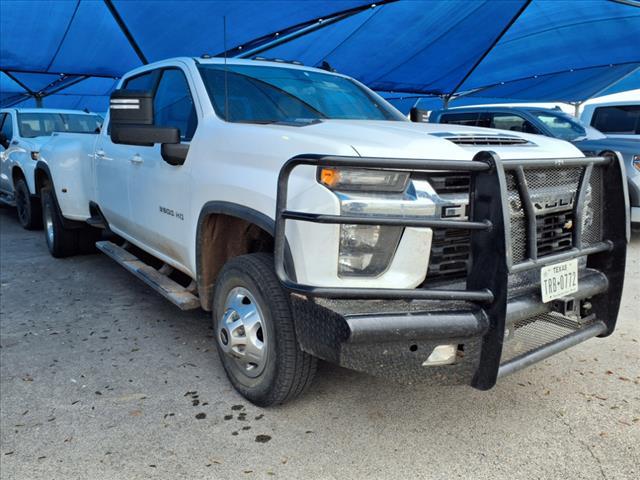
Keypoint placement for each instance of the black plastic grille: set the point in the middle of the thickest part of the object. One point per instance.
(554, 193)
(554, 233)
(446, 183)
(450, 251)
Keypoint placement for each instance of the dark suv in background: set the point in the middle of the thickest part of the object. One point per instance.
(553, 123)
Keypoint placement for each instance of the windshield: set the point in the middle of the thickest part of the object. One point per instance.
(262, 94)
(561, 125)
(35, 124)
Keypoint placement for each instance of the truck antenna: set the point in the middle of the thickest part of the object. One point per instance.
(226, 84)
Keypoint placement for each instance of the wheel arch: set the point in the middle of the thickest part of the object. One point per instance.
(220, 220)
(44, 178)
(16, 174)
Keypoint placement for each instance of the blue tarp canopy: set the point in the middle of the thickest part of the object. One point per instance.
(72, 52)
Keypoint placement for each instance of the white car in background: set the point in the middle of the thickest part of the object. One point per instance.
(22, 132)
(619, 119)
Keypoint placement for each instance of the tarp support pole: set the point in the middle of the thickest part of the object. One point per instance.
(46, 72)
(38, 99)
(475, 91)
(492, 46)
(576, 109)
(319, 24)
(27, 89)
(602, 90)
(125, 31)
(65, 86)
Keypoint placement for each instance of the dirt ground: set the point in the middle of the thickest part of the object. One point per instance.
(101, 378)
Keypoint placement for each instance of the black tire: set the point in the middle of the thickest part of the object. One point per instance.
(62, 242)
(27, 207)
(288, 371)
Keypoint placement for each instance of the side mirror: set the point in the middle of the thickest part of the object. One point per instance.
(131, 107)
(131, 113)
(143, 135)
(4, 141)
(174, 154)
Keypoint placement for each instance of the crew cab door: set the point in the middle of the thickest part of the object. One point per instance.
(159, 193)
(114, 165)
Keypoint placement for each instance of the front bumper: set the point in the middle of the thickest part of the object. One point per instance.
(497, 325)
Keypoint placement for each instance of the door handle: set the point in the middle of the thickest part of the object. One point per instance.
(136, 159)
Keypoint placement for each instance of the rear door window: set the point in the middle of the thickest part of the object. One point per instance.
(620, 119)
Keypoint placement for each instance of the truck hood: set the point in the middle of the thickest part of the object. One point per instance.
(34, 143)
(395, 139)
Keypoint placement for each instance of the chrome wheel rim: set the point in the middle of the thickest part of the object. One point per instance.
(242, 334)
(48, 224)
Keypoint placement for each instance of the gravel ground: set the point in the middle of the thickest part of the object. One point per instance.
(103, 379)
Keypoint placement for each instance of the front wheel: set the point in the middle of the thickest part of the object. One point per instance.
(255, 333)
(62, 242)
(27, 207)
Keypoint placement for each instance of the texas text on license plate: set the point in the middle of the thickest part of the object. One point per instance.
(559, 280)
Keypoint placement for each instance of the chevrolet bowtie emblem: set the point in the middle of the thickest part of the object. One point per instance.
(568, 225)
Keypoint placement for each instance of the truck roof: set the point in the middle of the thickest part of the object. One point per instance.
(229, 61)
(497, 107)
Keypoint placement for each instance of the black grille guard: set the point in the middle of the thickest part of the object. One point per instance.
(491, 262)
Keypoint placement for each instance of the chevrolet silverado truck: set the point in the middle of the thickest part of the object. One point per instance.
(313, 220)
(22, 132)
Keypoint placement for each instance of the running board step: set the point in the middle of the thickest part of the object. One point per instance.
(180, 296)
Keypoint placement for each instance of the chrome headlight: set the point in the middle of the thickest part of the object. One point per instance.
(366, 250)
(636, 162)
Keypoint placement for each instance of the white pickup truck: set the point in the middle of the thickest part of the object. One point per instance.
(314, 221)
(22, 132)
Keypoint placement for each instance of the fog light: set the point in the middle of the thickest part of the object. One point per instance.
(441, 355)
(366, 250)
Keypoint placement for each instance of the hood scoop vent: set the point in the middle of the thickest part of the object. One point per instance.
(473, 140)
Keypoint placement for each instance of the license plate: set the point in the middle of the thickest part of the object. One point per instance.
(559, 280)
